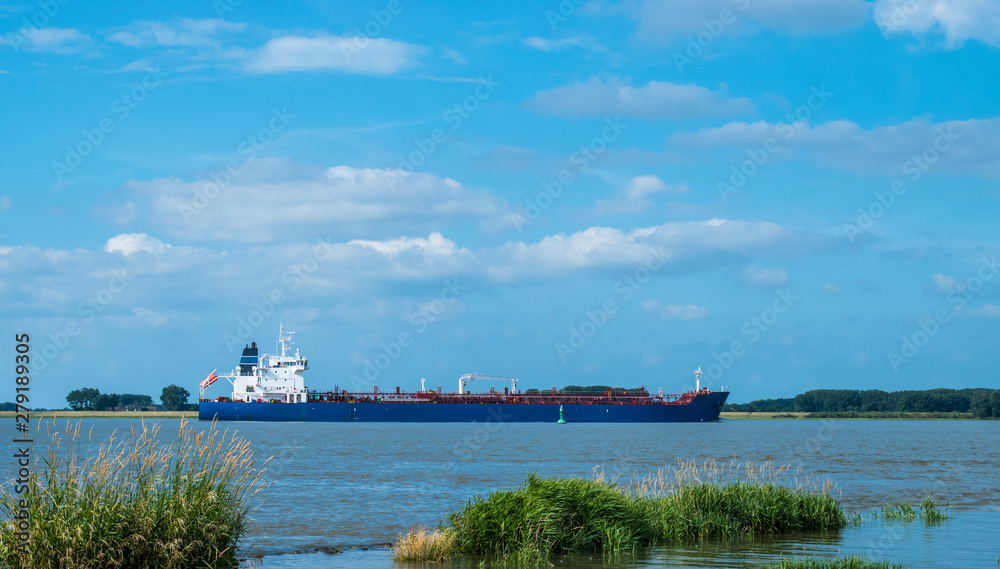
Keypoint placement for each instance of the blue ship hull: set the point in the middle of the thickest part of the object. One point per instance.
(704, 407)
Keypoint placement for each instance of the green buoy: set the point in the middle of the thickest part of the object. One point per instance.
(561, 420)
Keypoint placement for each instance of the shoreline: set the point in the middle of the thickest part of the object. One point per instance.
(105, 414)
(891, 416)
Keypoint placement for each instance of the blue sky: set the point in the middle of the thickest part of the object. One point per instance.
(792, 195)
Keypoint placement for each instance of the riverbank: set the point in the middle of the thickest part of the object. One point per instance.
(849, 415)
(106, 414)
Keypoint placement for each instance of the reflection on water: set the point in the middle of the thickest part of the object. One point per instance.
(352, 485)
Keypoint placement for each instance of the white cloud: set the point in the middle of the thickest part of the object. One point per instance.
(635, 196)
(675, 311)
(658, 100)
(943, 284)
(63, 41)
(957, 20)
(681, 246)
(454, 56)
(664, 21)
(815, 16)
(150, 317)
(366, 56)
(641, 187)
(581, 41)
(908, 150)
(832, 288)
(180, 281)
(986, 311)
(183, 32)
(4, 203)
(763, 278)
(117, 214)
(435, 244)
(131, 243)
(278, 200)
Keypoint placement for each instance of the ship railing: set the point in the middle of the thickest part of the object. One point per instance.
(598, 398)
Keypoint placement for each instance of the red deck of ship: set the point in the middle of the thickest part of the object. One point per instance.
(610, 397)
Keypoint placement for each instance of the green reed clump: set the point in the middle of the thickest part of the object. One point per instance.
(928, 511)
(561, 515)
(551, 515)
(851, 562)
(136, 503)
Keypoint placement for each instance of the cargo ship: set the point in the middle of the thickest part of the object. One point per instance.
(272, 388)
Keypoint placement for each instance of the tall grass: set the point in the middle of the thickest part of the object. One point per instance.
(424, 544)
(928, 511)
(136, 503)
(851, 562)
(688, 502)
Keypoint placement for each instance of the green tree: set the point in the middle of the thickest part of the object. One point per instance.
(986, 403)
(105, 402)
(82, 399)
(134, 400)
(174, 398)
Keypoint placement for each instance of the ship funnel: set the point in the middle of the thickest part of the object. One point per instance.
(249, 359)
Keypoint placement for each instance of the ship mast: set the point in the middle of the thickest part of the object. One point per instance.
(283, 338)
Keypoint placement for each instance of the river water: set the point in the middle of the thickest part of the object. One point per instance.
(356, 486)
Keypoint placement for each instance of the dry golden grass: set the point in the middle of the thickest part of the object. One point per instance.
(422, 544)
(669, 479)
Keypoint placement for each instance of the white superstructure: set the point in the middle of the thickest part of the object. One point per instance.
(267, 378)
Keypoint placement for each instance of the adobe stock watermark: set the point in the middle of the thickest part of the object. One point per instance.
(810, 448)
(900, 14)
(247, 150)
(696, 45)
(223, 7)
(466, 448)
(87, 312)
(753, 329)
(454, 116)
(914, 168)
(375, 27)
(758, 157)
(624, 289)
(929, 328)
(92, 138)
(564, 9)
(42, 17)
(293, 278)
(420, 320)
(581, 159)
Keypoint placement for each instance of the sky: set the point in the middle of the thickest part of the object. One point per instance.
(790, 195)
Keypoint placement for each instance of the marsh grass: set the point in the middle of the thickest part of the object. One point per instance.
(928, 511)
(851, 562)
(424, 545)
(136, 503)
(605, 514)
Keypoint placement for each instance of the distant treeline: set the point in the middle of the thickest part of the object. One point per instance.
(90, 399)
(983, 403)
(884, 415)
